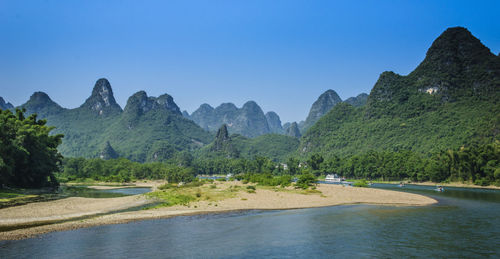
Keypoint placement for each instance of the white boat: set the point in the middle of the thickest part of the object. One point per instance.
(333, 178)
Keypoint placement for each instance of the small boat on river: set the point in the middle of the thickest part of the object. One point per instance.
(333, 178)
(439, 188)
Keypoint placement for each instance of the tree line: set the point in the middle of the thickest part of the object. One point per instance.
(479, 164)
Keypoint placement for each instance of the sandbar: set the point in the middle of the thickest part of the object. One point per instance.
(43, 217)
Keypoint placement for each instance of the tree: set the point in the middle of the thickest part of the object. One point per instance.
(315, 161)
(29, 155)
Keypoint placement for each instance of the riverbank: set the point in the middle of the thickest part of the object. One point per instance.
(451, 184)
(36, 214)
(458, 184)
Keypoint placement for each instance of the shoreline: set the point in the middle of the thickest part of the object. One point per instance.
(457, 184)
(263, 199)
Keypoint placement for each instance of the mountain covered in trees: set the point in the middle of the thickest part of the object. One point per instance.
(450, 100)
(276, 147)
(148, 129)
(249, 120)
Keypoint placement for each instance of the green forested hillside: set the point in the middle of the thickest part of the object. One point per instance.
(450, 100)
(274, 146)
(149, 129)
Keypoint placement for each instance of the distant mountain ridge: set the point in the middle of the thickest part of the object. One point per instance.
(5, 105)
(325, 102)
(358, 101)
(249, 120)
(320, 107)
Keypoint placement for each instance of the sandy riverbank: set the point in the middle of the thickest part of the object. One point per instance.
(265, 199)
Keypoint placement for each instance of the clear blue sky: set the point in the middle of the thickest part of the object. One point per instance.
(282, 54)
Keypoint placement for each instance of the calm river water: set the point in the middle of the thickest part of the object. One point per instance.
(464, 224)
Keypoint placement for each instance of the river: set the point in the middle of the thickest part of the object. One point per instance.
(464, 224)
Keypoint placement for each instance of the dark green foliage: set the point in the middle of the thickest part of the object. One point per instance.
(221, 165)
(478, 164)
(306, 180)
(122, 170)
(275, 146)
(361, 183)
(28, 154)
(108, 152)
(268, 179)
(223, 144)
(357, 101)
(154, 136)
(346, 131)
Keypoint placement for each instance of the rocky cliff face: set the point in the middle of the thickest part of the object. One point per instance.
(358, 101)
(293, 130)
(248, 121)
(223, 143)
(205, 117)
(140, 103)
(274, 123)
(102, 101)
(320, 107)
(4, 105)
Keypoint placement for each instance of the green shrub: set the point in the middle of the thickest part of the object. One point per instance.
(305, 181)
(361, 183)
(482, 182)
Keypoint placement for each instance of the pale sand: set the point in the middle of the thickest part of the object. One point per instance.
(261, 200)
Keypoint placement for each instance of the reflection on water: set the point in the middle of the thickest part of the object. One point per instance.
(83, 191)
(463, 224)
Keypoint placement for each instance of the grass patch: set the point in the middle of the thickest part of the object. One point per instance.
(169, 198)
(361, 183)
(7, 194)
(173, 194)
